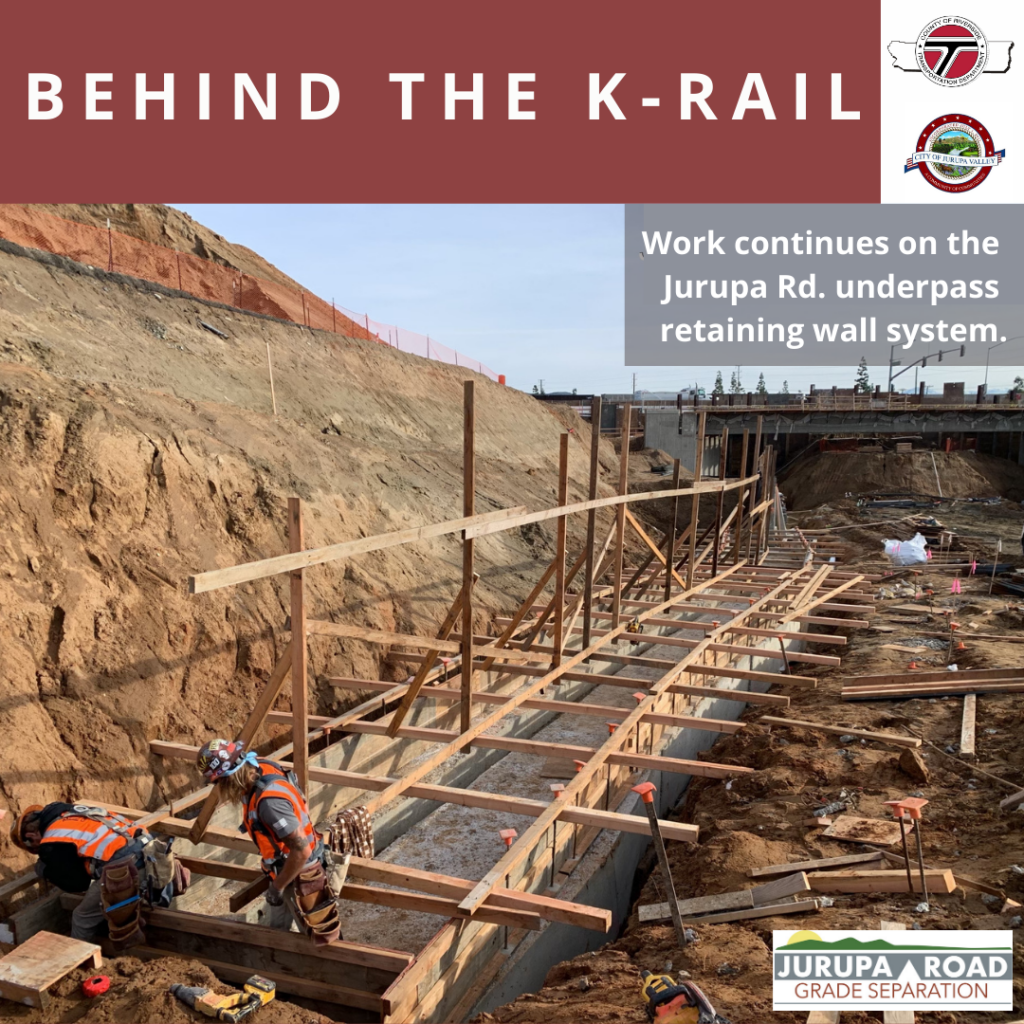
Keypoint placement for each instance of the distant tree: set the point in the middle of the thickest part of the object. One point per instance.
(1018, 383)
(574, 391)
(736, 382)
(862, 383)
(762, 388)
(785, 387)
(719, 388)
(536, 390)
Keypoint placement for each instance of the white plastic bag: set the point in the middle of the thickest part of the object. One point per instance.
(907, 552)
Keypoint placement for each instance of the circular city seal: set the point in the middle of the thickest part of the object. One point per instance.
(955, 153)
(951, 51)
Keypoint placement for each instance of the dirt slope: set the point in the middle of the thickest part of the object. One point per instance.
(137, 447)
(830, 475)
(163, 225)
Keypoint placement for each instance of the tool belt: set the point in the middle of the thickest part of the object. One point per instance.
(122, 902)
(315, 904)
(166, 877)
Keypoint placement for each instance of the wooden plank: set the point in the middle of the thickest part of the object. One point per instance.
(421, 903)
(915, 692)
(874, 831)
(527, 518)
(468, 509)
(252, 726)
(939, 881)
(879, 737)
(620, 516)
(698, 469)
(767, 910)
(929, 676)
(300, 687)
(967, 723)
(595, 468)
(376, 957)
(287, 984)
(41, 961)
(558, 632)
(816, 865)
(655, 550)
(744, 898)
(45, 914)
(1012, 801)
(896, 1016)
(674, 529)
(546, 907)
(19, 884)
(215, 579)
(823, 1017)
(398, 716)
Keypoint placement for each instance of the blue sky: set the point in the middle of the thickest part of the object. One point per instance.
(534, 292)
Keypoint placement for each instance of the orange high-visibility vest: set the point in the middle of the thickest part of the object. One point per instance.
(100, 838)
(273, 781)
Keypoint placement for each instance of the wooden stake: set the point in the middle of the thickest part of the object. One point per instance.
(270, 367)
(620, 512)
(558, 638)
(595, 466)
(695, 505)
(428, 663)
(468, 509)
(740, 497)
(673, 527)
(300, 691)
(722, 467)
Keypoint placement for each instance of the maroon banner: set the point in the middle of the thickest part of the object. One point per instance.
(98, 149)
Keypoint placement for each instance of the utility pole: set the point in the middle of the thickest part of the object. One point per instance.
(633, 392)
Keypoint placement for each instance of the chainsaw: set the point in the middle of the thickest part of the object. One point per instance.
(672, 1002)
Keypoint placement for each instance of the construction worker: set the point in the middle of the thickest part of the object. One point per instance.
(93, 851)
(276, 817)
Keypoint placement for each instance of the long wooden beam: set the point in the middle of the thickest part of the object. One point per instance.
(629, 682)
(203, 582)
(524, 519)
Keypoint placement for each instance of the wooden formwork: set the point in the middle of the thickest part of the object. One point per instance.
(461, 697)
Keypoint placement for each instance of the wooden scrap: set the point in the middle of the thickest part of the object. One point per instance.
(817, 865)
(1012, 801)
(880, 737)
(967, 723)
(904, 649)
(768, 910)
(938, 880)
(873, 831)
(39, 962)
(817, 822)
(744, 899)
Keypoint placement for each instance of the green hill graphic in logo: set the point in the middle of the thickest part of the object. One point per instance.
(807, 940)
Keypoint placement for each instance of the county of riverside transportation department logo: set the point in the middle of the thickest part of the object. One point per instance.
(955, 153)
(951, 51)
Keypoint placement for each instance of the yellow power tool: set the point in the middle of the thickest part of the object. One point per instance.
(672, 1002)
(256, 992)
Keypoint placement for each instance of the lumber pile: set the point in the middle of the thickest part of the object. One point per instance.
(940, 683)
(938, 880)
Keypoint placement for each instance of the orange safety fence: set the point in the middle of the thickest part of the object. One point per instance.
(119, 253)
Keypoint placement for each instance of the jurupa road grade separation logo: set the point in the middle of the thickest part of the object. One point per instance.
(864, 970)
(951, 51)
(955, 153)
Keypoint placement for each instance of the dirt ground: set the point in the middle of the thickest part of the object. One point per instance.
(139, 993)
(756, 821)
